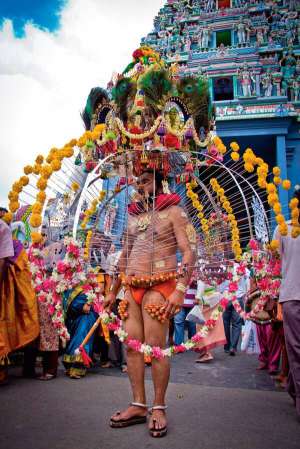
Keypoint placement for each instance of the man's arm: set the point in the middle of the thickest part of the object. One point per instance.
(186, 240)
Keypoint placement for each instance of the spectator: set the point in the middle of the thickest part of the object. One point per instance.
(289, 296)
(179, 319)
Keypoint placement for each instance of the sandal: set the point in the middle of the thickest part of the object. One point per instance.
(158, 433)
(46, 376)
(120, 423)
(204, 358)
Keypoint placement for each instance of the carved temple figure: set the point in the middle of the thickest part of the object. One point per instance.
(241, 32)
(246, 79)
(204, 36)
(267, 83)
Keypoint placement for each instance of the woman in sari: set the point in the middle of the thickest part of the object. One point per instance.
(79, 318)
(19, 324)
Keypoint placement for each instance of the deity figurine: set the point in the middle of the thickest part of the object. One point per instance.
(187, 45)
(267, 83)
(246, 77)
(295, 88)
(204, 37)
(260, 37)
(241, 32)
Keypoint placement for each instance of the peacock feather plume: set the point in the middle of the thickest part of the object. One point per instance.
(156, 85)
(96, 96)
(122, 93)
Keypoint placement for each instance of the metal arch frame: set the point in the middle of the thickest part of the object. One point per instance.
(87, 184)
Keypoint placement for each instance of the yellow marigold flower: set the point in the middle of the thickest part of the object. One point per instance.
(280, 219)
(72, 142)
(35, 220)
(56, 164)
(13, 196)
(295, 213)
(7, 217)
(277, 208)
(231, 217)
(24, 180)
(295, 232)
(41, 197)
(271, 188)
(194, 183)
(276, 171)
(36, 237)
(68, 151)
(249, 167)
(200, 215)
(42, 184)
(37, 208)
(36, 169)
(274, 245)
(75, 186)
(234, 146)
(283, 229)
(27, 169)
(194, 196)
(205, 228)
(277, 180)
(39, 159)
(295, 221)
(14, 206)
(220, 191)
(293, 203)
(262, 183)
(83, 225)
(196, 204)
(286, 184)
(217, 140)
(46, 171)
(234, 156)
(17, 187)
(259, 161)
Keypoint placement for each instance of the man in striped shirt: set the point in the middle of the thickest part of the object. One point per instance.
(179, 319)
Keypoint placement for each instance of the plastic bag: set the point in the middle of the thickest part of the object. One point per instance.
(250, 343)
(196, 315)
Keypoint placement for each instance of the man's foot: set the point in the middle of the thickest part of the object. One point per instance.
(204, 358)
(158, 422)
(232, 352)
(262, 366)
(134, 414)
(226, 350)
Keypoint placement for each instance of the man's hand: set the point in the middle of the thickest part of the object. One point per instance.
(173, 304)
(110, 300)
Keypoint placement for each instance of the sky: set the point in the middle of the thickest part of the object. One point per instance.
(52, 52)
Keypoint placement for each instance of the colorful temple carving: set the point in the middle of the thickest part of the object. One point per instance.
(250, 53)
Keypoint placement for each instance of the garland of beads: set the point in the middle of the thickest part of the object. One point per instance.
(197, 205)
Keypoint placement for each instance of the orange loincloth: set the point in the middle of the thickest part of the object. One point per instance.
(165, 289)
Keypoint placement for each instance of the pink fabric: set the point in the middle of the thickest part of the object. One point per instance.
(270, 346)
(215, 337)
(6, 242)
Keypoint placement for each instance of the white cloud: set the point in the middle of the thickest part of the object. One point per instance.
(45, 77)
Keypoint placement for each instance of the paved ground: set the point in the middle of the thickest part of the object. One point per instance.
(225, 405)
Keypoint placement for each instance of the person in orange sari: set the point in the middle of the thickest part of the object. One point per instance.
(19, 324)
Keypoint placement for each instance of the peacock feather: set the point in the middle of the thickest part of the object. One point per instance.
(155, 85)
(122, 93)
(97, 94)
(194, 93)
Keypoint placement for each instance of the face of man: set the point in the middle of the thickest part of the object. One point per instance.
(144, 184)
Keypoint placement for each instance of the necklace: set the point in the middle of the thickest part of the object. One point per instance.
(143, 223)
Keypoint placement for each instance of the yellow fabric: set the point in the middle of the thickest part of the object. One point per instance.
(19, 324)
(105, 332)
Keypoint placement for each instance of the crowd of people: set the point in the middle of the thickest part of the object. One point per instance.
(26, 326)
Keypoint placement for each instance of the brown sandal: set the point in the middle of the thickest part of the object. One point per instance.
(120, 423)
(158, 433)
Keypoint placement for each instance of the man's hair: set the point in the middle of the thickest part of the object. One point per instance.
(159, 177)
(297, 193)
(3, 209)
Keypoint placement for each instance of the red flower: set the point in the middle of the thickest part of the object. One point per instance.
(253, 245)
(233, 286)
(137, 53)
(61, 267)
(172, 141)
(179, 348)
(224, 303)
(241, 269)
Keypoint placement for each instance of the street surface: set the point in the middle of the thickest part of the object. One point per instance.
(223, 405)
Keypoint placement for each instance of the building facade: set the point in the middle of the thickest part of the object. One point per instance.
(250, 53)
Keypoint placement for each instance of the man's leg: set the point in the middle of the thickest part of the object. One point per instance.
(226, 321)
(274, 350)
(237, 323)
(135, 360)
(263, 345)
(156, 335)
(179, 320)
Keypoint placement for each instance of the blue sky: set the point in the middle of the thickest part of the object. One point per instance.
(43, 13)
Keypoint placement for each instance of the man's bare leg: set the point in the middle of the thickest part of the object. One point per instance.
(135, 361)
(156, 335)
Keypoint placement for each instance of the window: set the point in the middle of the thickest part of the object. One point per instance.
(224, 4)
(223, 37)
(223, 88)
